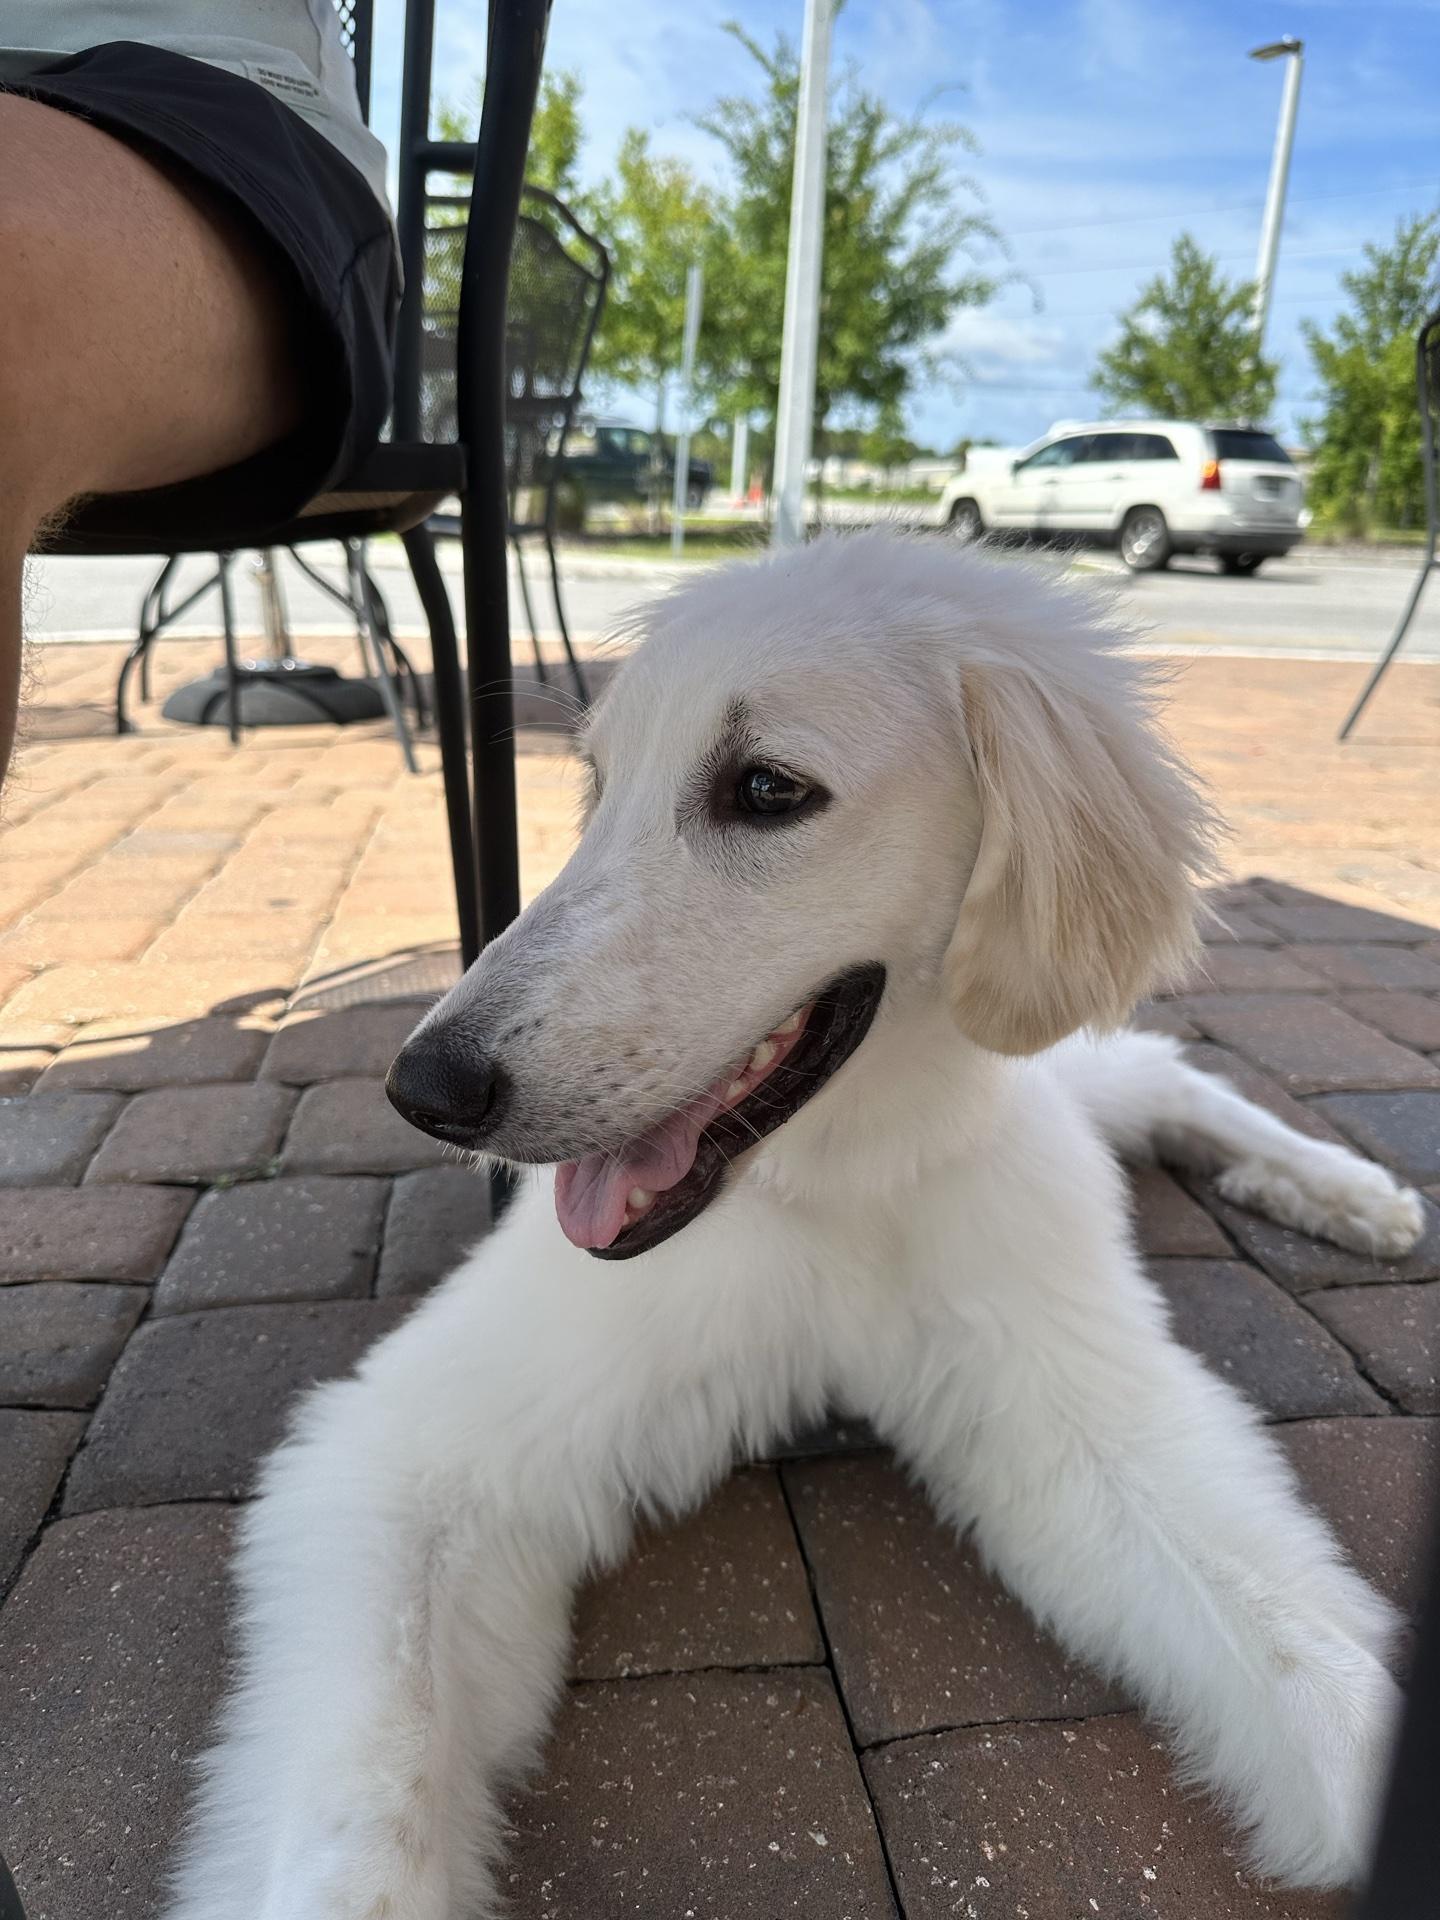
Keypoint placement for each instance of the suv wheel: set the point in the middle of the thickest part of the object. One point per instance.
(1145, 540)
(1241, 562)
(965, 521)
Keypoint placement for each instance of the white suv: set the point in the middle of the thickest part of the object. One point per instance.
(1152, 488)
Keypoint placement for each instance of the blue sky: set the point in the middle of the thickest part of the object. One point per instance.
(1105, 126)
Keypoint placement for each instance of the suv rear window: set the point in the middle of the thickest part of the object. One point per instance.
(1245, 443)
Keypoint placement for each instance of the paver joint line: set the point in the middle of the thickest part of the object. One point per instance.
(799, 1537)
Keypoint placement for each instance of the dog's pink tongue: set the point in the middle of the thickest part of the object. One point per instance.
(590, 1194)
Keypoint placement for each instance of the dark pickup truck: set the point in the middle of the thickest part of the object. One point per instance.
(608, 460)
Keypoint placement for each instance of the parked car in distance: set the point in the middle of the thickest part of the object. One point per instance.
(611, 460)
(1151, 488)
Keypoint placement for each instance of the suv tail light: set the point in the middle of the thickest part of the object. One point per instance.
(1210, 477)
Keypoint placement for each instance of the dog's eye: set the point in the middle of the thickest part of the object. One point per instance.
(770, 790)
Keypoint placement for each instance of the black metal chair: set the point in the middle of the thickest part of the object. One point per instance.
(1427, 379)
(558, 278)
(401, 484)
(382, 658)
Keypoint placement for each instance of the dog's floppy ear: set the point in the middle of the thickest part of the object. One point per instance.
(1092, 833)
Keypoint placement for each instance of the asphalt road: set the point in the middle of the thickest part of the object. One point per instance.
(1334, 604)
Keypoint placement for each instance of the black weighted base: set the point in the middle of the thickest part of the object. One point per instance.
(277, 693)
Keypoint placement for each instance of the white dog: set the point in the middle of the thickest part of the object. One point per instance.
(874, 830)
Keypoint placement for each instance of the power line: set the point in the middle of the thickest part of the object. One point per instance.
(1063, 315)
(1240, 206)
(1144, 266)
(1290, 395)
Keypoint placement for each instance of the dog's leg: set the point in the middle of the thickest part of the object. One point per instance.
(1150, 1104)
(406, 1574)
(1137, 1508)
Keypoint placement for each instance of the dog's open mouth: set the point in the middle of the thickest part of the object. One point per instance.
(623, 1203)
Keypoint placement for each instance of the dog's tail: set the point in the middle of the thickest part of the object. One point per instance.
(1152, 1105)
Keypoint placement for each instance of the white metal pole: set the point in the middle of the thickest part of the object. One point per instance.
(800, 339)
(1275, 198)
(694, 292)
(739, 459)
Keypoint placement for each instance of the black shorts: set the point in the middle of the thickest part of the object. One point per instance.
(332, 245)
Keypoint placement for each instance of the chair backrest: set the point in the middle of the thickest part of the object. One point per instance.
(558, 277)
(357, 26)
(1427, 354)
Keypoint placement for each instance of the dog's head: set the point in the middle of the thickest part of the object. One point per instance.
(876, 769)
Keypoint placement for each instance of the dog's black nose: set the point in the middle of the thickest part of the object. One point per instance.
(443, 1083)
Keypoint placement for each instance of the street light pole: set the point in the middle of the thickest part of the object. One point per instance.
(1294, 50)
(800, 339)
(740, 459)
(694, 294)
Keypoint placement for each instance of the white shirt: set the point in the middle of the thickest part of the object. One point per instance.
(292, 48)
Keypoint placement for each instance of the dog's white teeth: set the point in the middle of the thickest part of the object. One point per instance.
(639, 1199)
(735, 1091)
(761, 1057)
(788, 1026)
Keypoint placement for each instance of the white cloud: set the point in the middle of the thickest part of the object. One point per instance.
(983, 336)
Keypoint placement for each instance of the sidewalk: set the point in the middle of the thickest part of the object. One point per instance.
(807, 1699)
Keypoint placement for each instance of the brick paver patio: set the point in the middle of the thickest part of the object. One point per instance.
(808, 1699)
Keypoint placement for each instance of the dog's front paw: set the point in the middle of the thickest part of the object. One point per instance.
(1331, 1728)
(1334, 1195)
(336, 1869)
(373, 1885)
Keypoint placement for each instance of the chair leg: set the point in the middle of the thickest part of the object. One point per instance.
(409, 682)
(390, 647)
(370, 645)
(232, 670)
(155, 615)
(150, 623)
(582, 691)
(450, 725)
(151, 620)
(359, 611)
(540, 673)
(1378, 671)
(355, 602)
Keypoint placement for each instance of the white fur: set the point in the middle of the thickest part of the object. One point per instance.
(939, 1241)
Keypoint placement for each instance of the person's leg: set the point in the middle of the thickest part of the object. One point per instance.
(143, 337)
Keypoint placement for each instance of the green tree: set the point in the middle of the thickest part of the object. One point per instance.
(1366, 469)
(1187, 347)
(887, 444)
(655, 219)
(556, 133)
(899, 217)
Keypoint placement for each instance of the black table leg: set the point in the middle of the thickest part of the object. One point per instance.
(450, 725)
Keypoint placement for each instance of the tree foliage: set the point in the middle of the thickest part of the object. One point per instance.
(655, 219)
(556, 133)
(1187, 347)
(1366, 469)
(899, 217)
